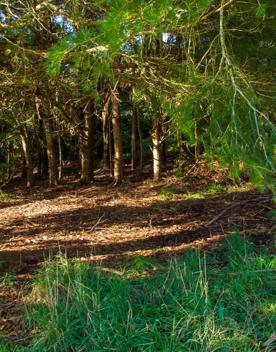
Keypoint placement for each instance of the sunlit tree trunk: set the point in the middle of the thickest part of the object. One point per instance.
(156, 150)
(118, 147)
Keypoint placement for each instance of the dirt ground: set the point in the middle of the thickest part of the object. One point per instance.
(102, 223)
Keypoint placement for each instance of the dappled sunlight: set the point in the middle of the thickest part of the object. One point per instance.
(110, 223)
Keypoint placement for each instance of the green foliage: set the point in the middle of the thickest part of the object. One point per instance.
(187, 305)
(7, 280)
(230, 127)
(213, 88)
(168, 192)
(7, 347)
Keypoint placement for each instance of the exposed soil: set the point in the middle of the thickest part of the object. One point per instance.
(102, 223)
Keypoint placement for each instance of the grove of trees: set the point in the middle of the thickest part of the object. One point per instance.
(107, 82)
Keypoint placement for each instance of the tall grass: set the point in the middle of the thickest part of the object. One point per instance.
(224, 301)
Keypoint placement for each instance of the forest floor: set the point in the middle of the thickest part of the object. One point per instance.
(109, 224)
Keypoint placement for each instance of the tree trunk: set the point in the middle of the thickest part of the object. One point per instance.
(134, 156)
(42, 160)
(162, 139)
(51, 152)
(28, 157)
(140, 169)
(156, 150)
(118, 147)
(60, 158)
(110, 148)
(106, 140)
(86, 146)
(50, 141)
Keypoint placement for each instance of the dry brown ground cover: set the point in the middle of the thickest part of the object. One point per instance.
(102, 223)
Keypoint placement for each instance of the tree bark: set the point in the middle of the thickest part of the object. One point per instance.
(42, 159)
(27, 155)
(156, 150)
(118, 147)
(106, 139)
(140, 169)
(134, 156)
(60, 158)
(86, 145)
(50, 141)
(51, 152)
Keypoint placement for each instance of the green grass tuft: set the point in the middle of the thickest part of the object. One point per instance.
(194, 303)
(168, 192)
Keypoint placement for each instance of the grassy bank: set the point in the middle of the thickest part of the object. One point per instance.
(223, 301)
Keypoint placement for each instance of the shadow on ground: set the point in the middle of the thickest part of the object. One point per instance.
(117, 223)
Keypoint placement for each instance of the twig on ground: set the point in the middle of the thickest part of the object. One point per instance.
(231, 207)
(99, 221)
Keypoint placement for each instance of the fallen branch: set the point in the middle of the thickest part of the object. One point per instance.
(97, 223)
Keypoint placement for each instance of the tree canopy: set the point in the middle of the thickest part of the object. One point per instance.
(102, 77)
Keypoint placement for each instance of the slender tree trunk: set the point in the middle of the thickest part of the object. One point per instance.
(110, 148)
(51, 152)
(42, 160)
(106, 139)
(86, 146)
(140, 169)
(28, 157)
(156, 150)
(118, 146)
(134, 156)
(163, 133)
(50, 141)
(60, 158)
(9, 161)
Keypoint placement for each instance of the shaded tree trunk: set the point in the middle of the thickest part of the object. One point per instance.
(27, 156)
(60, 158)
(86, 145)
(140, 169)
(51, 152)
(118, 147)
(162, 134)
(134, 127)
(50, 141)
(42, 160)
(106, 134)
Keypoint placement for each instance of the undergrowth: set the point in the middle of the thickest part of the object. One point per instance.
(5, 196)
(169, 192)
(222, 301)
